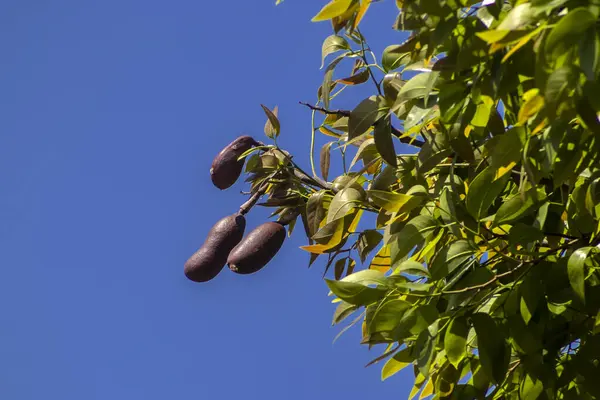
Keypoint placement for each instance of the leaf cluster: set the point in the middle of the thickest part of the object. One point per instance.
(481, 269)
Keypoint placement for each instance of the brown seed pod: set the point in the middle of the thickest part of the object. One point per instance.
(209, 260)
(226, 168)
(257, 248)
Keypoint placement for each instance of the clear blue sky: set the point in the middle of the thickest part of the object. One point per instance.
(111, 113)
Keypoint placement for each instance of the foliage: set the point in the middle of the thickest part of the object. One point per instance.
(481, 267)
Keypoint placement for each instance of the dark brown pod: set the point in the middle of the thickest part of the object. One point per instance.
(257, 248)
(226, 168)
(209, 260)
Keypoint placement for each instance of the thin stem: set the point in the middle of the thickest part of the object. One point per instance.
(312, 144)
(364, 58)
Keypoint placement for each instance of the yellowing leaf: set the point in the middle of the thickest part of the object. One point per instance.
(316, 248)
(427, 390)
(533, 103)
(522, 43)
(333, 9)
(394, 202)
(364, 6)
(504, 170)
(382, 260)
(328, 132)
(395, 364)
(492, 36)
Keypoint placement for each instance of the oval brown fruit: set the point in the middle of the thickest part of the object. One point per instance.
(226, 168)
(209, 260)
(257, 248)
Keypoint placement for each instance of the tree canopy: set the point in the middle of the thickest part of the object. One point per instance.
(480, 268)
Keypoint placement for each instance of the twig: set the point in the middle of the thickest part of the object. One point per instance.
(245, 208)
(486, 284)
(346, 113)
(364, 58)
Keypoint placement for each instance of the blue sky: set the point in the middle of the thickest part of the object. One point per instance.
(112, 112)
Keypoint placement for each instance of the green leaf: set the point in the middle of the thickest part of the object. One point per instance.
(505, 150)
(394, 57)
(483, 191)
(343, 203)
(414, 233)
(364, 116)
(343, 311)
(395, 364)
(384, 142)
(333, 9)
(531, 388)
(455, 340)
(272, 127)
(519, 17)
(449, 258)
(395, 202)
(367, 277)
(355, 293)
(387, 316)
(589, 53)
(519, 206)
(366, 152)
(331, 45)
(411, 267)
(366, 242)
(523, 234)
(418, 115)
(325, 159)
(491, 347)
(419, 86)
(568, 30)
(315, 211)
(327, 80)
(576, 271)
(448, 211)
(415, 320)
(559, 83)
(424, 346)
(532, 292)
(339, 267)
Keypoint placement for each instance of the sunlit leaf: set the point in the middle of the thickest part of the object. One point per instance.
(569, 29)
(364, 116)
(334, 9)
(576, 271)
(272, 126)
(455, 340)
(483, 191)
(331, 45)
(398, 362)
(355, 293)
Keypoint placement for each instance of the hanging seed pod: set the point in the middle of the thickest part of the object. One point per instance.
(257, 248)
(226, 168)
(209, 260)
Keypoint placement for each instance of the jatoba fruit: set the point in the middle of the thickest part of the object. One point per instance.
(209, 260)
(257, 248)
(226, 168)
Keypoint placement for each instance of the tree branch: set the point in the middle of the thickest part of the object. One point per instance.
(346, 113)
